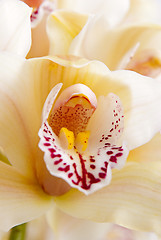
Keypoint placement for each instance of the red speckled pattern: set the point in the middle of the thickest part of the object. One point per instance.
(87, 170)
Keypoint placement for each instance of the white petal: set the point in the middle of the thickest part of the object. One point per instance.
(113, 10)
(15, 28)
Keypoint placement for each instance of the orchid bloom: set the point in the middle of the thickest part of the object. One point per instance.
(15, 27)
(116, 13)
(139, 49)
(87, 119)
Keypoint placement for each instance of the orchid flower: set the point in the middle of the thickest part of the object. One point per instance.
(15, 27)
(140, 48)
(116, 13)
(87, 119)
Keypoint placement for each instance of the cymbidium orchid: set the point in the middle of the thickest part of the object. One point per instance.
(133, 47)
(116, 13)
(87, 118)
(67, 125)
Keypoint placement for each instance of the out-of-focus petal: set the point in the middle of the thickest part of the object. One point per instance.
(33, 3)
(131, 200)
(67, 227)
(114, 11)
(62, 27)
(15, 27)
(20, 199)
(40, 46)
(150, 151)
(141, 107)
(111, 45)
(143, 11)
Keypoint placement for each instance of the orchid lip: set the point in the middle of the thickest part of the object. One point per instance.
(65, 138)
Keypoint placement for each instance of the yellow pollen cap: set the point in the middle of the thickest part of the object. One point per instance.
(67, 138)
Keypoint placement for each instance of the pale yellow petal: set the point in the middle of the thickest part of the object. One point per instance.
(15, 28)
(114, 11)
(106, 46)
(67, 227)
(62, 27)
(20, 199)
(150, 151)
(133, 199)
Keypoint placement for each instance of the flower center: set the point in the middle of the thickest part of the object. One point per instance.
(70, 115)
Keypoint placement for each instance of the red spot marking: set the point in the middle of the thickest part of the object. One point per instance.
(47, 138)
(111, 129)
(55, 155)
(102, 175)
(70, 175)
(107, 144)
(120, 149)
(47, 144)
(113, 159)
(119, 154)
(85, 174)
(109, 152)
(71, 157)
(66, 169)
(103, 169)
(58, 161)
(92, 166)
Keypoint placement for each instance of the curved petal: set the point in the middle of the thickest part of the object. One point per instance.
(25, 85)
(15, 28)
(41, 49)
(67, 227)
(143, 11)
(142, 119)
(62, 27)
(131, 200)
(20, 199)
(150, 151)
(114, 10)
(107, 48)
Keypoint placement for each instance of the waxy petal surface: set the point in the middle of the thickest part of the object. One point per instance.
(15, 27)
(20, 199)
(107, 48)
(131, 200)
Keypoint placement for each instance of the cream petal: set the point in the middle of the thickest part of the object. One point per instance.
(110, 51)
(131, 200)
(150, 151)
(114, 11)
(141, 108)
(127, 85)
(143, 11)
(20, 199)
(15, 28)
(67, 227)
(62, 27)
